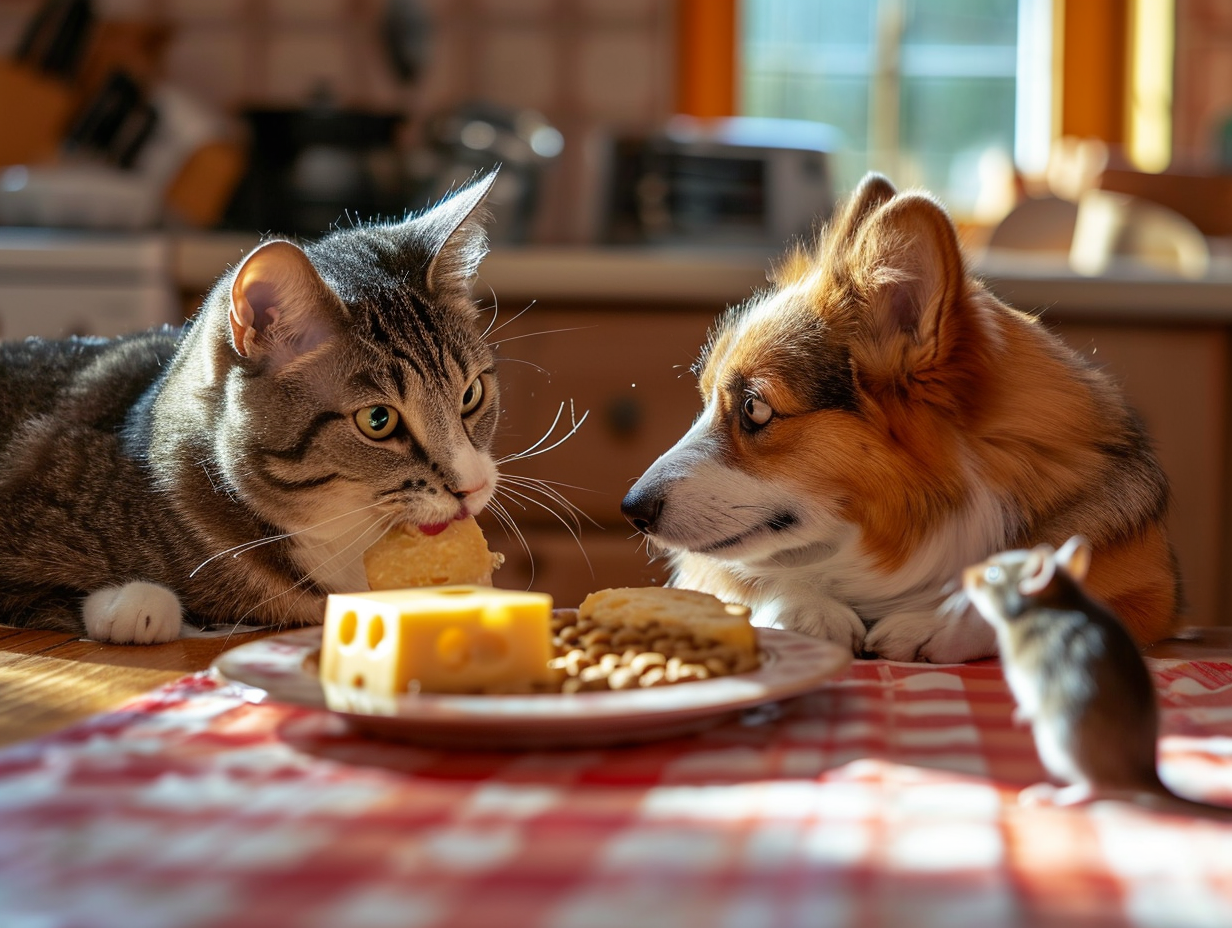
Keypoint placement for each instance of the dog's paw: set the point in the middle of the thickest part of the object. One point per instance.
(829, 620)
(135, 613)
(932, 637)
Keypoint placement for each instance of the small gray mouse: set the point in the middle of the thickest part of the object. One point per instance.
(1078, 678)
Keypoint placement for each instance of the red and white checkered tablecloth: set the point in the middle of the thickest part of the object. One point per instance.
(887, 798)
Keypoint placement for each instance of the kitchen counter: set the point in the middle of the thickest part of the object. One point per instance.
(615, 331)
(627, 274)
(719, 277)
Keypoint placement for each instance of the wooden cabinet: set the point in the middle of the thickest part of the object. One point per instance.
(625, 375)
(628, 370)
(1177, 379)
(616, 332)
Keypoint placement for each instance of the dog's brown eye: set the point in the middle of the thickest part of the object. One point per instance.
(756, 410)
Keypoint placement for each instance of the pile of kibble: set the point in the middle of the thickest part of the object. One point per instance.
(594, 656)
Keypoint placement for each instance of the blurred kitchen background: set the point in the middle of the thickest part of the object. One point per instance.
(655, 155)
(678, 122)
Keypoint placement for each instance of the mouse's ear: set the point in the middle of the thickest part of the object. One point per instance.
(1075, 557)
(1037, 570)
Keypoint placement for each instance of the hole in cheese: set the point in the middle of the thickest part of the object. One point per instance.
(347, 627)
(376, 631)
(488, 648)
(453, 648)
(358, 682)
(464, 639)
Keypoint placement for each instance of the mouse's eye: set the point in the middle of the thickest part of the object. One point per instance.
(755, 412)
(993, 574)
(377, 422)
(472, 396)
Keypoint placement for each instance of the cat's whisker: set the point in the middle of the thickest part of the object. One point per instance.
(511, 529)
(537, 367)
(548, 490)
(518, 455)
(534, 450)
(514, 338)
(510, 526)
(239, 549)
(493, 328)
(545, 482)
(571, 512)
(573, 528)
(379, 525)
(246, 546)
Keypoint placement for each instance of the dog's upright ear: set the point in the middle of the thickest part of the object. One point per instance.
(836, 238)
(907, 266)
(874, 191)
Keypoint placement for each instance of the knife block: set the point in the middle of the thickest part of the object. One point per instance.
(34, 114)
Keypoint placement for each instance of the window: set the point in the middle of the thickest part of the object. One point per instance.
(931, 92)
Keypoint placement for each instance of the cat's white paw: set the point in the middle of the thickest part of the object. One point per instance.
(931, 636)
(135, 613)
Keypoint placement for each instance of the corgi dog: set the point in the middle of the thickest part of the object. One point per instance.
(876, 421)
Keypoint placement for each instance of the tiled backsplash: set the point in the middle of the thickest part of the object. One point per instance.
(1202, 101)
(589, 66)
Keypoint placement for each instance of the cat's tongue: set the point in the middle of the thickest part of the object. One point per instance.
(434, 529)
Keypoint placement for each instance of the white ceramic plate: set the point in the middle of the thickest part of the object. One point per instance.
(285, 666)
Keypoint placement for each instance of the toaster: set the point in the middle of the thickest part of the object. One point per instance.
(747, 181)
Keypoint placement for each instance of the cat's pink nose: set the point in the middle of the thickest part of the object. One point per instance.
(463, 493)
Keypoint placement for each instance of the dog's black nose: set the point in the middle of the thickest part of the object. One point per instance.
(642, 509)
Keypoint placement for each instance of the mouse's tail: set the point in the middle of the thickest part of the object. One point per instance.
(1169, 803)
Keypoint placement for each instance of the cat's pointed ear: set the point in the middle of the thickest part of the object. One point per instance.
(1075, 557)
(907, 262)
(1037, 570)
(457, 236)
(279, 303)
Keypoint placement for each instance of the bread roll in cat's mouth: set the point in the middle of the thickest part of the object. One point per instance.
(432, 555)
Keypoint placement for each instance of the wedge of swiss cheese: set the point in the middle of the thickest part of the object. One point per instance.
(448, 639)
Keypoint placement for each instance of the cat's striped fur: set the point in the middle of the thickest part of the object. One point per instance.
(235, 469)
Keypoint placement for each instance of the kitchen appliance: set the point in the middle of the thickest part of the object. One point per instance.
(476, 137)
(314, 167)
(734, 181)
(55, 283)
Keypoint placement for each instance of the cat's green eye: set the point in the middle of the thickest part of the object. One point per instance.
(377, 421)
(473, 396)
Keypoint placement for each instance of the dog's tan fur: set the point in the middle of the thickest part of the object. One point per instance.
(918, 425)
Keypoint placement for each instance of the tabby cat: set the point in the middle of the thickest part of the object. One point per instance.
(236, 469)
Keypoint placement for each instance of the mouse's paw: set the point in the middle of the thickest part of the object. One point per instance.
(1038, 794)
(1046, 794)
